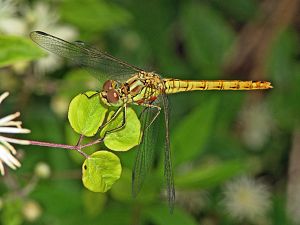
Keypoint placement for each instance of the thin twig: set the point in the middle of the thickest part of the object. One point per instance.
(64, 146)
(92, 143)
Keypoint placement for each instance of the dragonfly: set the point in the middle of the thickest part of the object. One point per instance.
(129, 85)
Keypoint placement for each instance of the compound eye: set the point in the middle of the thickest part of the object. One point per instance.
(107, 85)
(112, 96)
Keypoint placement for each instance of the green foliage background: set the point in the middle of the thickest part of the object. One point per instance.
(209, 135)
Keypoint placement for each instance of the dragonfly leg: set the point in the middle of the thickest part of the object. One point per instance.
(123, 121)
(91, 96)
(156, 115)
(153, 107)
(107, 132)
(111, 119)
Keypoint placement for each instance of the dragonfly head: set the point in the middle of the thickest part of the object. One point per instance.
(110, 93)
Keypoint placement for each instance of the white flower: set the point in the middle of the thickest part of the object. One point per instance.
(257, 123)
(44, 18)
(32, 210)
(42, 170)
(9, 126)
(247, 199)
(10, 23)
(16, 18)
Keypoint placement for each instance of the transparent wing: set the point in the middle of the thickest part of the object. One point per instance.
(102, 63)
(168, 170)
(145, 153)
(144, 159)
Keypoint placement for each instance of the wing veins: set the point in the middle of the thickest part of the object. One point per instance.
(168, 170)
(82, 55)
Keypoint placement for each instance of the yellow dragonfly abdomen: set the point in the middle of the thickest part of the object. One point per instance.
(177, 85)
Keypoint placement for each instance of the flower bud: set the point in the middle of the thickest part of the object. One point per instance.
(42, 170)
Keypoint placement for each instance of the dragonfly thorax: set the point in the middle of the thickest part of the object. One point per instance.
(143, 88)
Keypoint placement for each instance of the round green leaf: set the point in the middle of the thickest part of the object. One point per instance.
(100, 171)
(125, 138)
(86, 114)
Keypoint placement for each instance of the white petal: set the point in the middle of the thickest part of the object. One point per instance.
(13, 130)
(16, 141)
(8, 158)
(4, 156)
(2, 168)
(9, 117)
(8, 146)
(3, 96)
(14, 161)
(17, 124)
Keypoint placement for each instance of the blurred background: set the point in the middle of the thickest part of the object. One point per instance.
(235, 154)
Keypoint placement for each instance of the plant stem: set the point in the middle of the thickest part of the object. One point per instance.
(92, 143)
(70, 147)
(54, 145)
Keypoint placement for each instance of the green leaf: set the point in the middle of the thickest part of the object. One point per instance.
(207, 36)
(160, 215)
(241, 10)
(199, 122)
(94, 15)
(125, 138)
(48, 194)
(279, 213)
(12, 212)
(16, 49)
(211, 175)
(160, 46)
(86, 114)
(100, 171)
